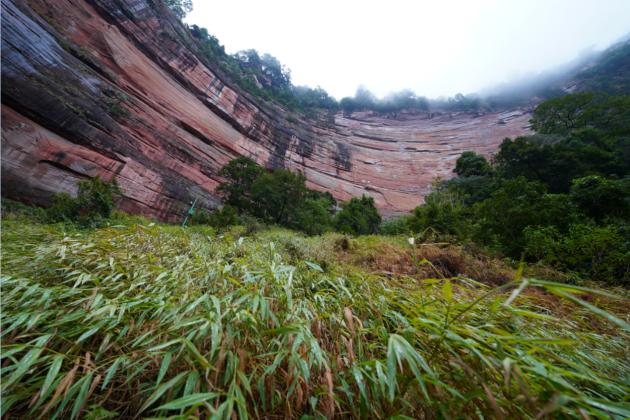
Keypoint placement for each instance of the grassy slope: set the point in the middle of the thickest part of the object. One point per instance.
(160, 321)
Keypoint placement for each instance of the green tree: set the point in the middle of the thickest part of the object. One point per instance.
(219, 218)
(552, 164)
(278, 74)
(240, 174)
(180, 7)
(348, 105)
(472, 164)
(277, 196)
(563, 114)
(314, 98)
(358, 217)
(314, 216)
(443, 211)
(515, 205)
(461, 102)
(595, 252)
(472, 189)
(599, 197)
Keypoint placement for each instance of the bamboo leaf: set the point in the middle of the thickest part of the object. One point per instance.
(447, 291)
(166, 362)
(198, 356)
(607, 315)
(29, 359)
(83, 394)
(188, 400)
(162, 389)
(112, 371)
(53, 371)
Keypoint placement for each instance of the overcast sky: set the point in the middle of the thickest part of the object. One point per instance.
(435, 47)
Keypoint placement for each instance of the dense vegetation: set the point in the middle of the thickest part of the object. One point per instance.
(611, 74)
(262, 75)
(281, 197)
(364, 100)
(142, 319)
(606, 72)
(93, 204)
(561, 197)
(407, 100)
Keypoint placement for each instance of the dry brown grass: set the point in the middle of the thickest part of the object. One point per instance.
(424, 261)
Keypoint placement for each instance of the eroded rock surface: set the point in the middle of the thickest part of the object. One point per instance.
(116, 88)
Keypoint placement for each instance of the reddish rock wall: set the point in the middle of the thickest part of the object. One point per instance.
(115, 88)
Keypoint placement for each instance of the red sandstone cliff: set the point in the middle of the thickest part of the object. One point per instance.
(115, 88)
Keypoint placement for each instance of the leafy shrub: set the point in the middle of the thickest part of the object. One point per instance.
(93, 204)
(358, 217)
(517, 204)
(599, 197)
(219, 218)
(251, 224)
(64, 208)
(395, 226)
(472, 164)
(597, 252)
(277, 197)
(443, 211)
(314, 216)
(11, 208)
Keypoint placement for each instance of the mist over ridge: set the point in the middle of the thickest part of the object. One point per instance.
(433, 49)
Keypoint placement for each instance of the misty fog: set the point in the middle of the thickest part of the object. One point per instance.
(434, 48)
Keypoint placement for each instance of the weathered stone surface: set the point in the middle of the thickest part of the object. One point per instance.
(115, 88)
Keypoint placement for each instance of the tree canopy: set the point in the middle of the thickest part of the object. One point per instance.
(561, 196)
(180, 7)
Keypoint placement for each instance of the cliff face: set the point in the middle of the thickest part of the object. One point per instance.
(114, 88)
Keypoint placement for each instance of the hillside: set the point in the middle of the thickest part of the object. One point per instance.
(609, 72)
(143, 319)
(606, 71)
(120, 89)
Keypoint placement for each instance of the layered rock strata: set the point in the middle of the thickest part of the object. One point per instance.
(117, 88)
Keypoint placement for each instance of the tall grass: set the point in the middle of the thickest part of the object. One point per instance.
(157, 321)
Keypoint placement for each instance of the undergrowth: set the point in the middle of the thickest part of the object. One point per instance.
(147, 320)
